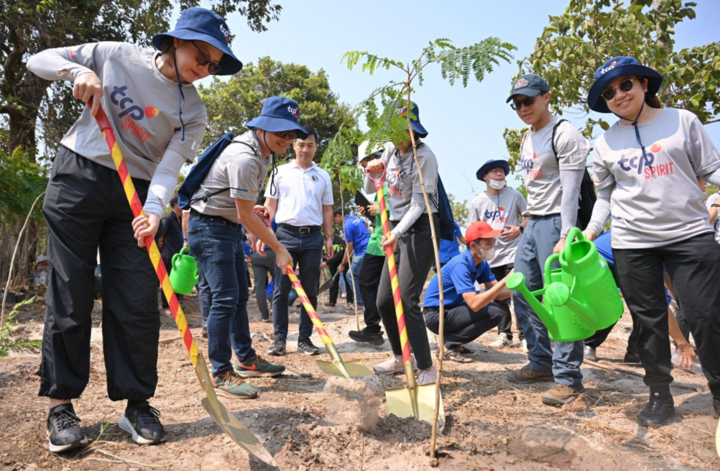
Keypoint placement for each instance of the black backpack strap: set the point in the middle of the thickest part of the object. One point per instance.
(205, 198)
(552, 139)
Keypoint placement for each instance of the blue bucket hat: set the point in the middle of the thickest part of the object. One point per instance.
(199, 24)
(528, 85)
(619, 67)
(491, 164)
(415, 122)
(279, 114)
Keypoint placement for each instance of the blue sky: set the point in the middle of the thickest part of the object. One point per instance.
(465, 124)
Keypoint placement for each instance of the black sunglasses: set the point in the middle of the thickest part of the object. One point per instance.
(625, 86)
(203, 58)
(517, 105)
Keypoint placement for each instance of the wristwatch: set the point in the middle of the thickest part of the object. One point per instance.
(522, 229)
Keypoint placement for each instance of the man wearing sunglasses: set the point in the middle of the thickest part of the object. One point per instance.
(225, 200)
(553, 155)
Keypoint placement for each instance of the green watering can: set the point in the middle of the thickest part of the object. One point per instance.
(580, 297)
(184, 274)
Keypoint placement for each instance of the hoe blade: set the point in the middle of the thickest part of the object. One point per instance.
(418, 402)
(229, 424)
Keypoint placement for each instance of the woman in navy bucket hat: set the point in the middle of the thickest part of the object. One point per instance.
(84, 208)
(648, 164)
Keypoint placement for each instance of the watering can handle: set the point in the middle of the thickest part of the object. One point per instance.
(575, 233)
(548, 268)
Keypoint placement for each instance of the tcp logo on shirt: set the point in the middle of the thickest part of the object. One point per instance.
(637, 163)
(132, 113)
(496, 215)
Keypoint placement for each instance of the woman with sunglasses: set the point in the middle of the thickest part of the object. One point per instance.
(646, 167)
(159, 120)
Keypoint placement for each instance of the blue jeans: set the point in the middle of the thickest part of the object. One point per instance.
(306, 250)
(204, 295)
(219, 250)
(536, 245)
(355, 267)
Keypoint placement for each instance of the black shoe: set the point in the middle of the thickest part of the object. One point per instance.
(278, 348)
(266, 320)
(660, 408)
(368, 337)
(63, 429)
(631, 357)
(715, 410)
(306, 346)
(141, 420)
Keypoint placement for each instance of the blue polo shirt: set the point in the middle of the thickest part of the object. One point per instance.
(603, 247)
(459, 276)
(450, 248)
(357, 233)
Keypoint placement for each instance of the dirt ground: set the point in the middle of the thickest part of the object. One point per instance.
(329, 423)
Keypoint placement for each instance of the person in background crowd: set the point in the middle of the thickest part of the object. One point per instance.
(301, 204)
(647, 165)
(357, 238)
(553, 156)
(333, 263)
(372, 265)
(468, 315)
(170, 231)
(263, 267)
(501, 207)
(411, 236)
(450, 248)
(84, 208)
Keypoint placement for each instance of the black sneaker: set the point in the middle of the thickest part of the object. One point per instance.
(368, 337)
(141, 420)
(278, 348)
(660, 407)
(307, 347)
(63, 429)
(631, 357)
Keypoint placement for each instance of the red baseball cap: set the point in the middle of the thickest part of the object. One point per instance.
(480, 230)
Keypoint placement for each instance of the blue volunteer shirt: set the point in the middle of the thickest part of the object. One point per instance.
(459, 276)
(450, 248)
(357, 233)
(603, 247)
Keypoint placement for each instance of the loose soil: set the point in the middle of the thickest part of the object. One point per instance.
(330, 423)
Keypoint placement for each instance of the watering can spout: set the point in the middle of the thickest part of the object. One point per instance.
(516, 282)
(558, 294)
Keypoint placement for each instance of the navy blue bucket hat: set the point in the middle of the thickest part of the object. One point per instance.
(279, 114)
(414, 118)
(199, 24)
(491, 164)
(620, 66)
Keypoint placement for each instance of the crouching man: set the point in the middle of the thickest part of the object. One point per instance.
(468, 315)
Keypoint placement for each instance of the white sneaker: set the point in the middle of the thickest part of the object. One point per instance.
(501, 341)
(524, 346)
(427, 376)
(391, 366)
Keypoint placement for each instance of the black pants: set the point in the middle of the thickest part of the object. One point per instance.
(413, 258)
(599, 337)
(167, 261)
(694, 269)
(86, 207)
(335, 288)
(462, 324)
(505, 325)
(262, 267)
(369, 281)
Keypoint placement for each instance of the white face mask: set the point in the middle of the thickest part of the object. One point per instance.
(486, 254)
(497, 185)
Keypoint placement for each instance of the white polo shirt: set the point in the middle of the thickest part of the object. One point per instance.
(301, 194)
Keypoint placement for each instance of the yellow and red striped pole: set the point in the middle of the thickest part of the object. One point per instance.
(394, 283)
(227, 422)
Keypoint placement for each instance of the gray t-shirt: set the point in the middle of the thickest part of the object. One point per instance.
(541, 169)
(662, 204)
(241, 168)
(141, 102)
(403, 181)
(500, 211)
